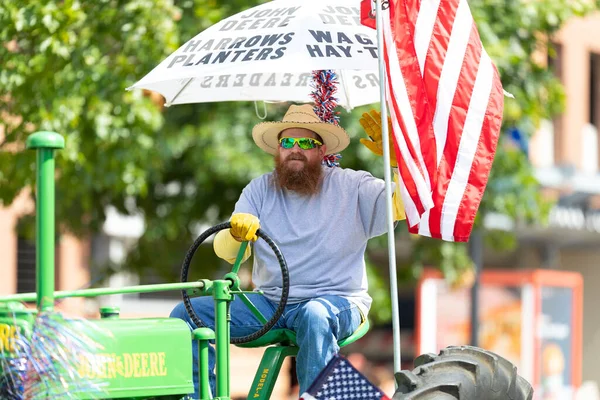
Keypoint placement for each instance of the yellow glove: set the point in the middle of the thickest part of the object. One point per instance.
(227, 248)
(371, 123)
(398, 205)
(244, 227)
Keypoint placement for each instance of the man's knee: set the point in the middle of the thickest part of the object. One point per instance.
(316, 313)
(202, 307)
(179, 312)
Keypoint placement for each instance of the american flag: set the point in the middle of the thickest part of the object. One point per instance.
(339, 380)
(445, 101)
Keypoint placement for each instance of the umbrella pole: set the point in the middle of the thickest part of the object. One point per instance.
(388, 191)
(476, 253)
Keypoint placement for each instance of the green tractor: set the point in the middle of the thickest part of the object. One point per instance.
(46, 356)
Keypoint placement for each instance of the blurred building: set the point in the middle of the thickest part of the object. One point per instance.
(17, 257)
(566, 155)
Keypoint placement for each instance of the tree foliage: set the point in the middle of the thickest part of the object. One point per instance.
(66, 65)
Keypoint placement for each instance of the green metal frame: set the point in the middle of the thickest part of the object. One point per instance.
(268, 371)
(223, 292)
(45, 143)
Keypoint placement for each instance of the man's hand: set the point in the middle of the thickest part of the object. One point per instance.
(244, 227)
(371, 123)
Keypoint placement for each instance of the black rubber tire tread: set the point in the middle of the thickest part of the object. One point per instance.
(463, 373)
(285, 278)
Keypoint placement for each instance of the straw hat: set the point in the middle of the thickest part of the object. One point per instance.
(334, 136)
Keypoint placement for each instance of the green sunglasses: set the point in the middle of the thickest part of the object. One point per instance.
(304, 143)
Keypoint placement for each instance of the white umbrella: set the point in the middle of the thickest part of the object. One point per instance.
(268, 53)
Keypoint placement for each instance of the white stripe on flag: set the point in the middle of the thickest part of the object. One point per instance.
(423, 187)
(468, 145)
(453, 62)
(396, 82)
(307, 396)
(424, 226)
(428, 11)
(447, 87)
(412, 214)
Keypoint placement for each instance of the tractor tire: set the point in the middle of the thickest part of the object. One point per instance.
(463, 373)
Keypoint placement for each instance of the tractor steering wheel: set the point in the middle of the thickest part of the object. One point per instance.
(284, 290)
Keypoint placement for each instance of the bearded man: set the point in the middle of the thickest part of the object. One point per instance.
(321, 219)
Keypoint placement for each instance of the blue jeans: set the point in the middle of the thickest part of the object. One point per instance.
(318, 323)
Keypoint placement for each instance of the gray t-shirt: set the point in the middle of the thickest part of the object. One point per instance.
(323, 237)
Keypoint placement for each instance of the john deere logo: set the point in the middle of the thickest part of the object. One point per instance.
(8, 335)
(125, 365)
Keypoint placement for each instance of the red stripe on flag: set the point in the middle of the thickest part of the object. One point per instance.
(438, 46)
(412, 10)
(409, 183)
(415, 87)
(456, 122)
(403, 169)
(484, 157)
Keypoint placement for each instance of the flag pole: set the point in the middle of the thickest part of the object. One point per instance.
(388, 191)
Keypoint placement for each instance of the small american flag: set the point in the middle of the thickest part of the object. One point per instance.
(445, 100)
(339, 380)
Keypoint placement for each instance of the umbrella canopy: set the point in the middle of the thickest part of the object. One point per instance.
(268, 53)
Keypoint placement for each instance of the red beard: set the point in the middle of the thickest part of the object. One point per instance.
(304, 181)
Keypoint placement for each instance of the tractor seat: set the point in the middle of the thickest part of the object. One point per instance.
(287, 337)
